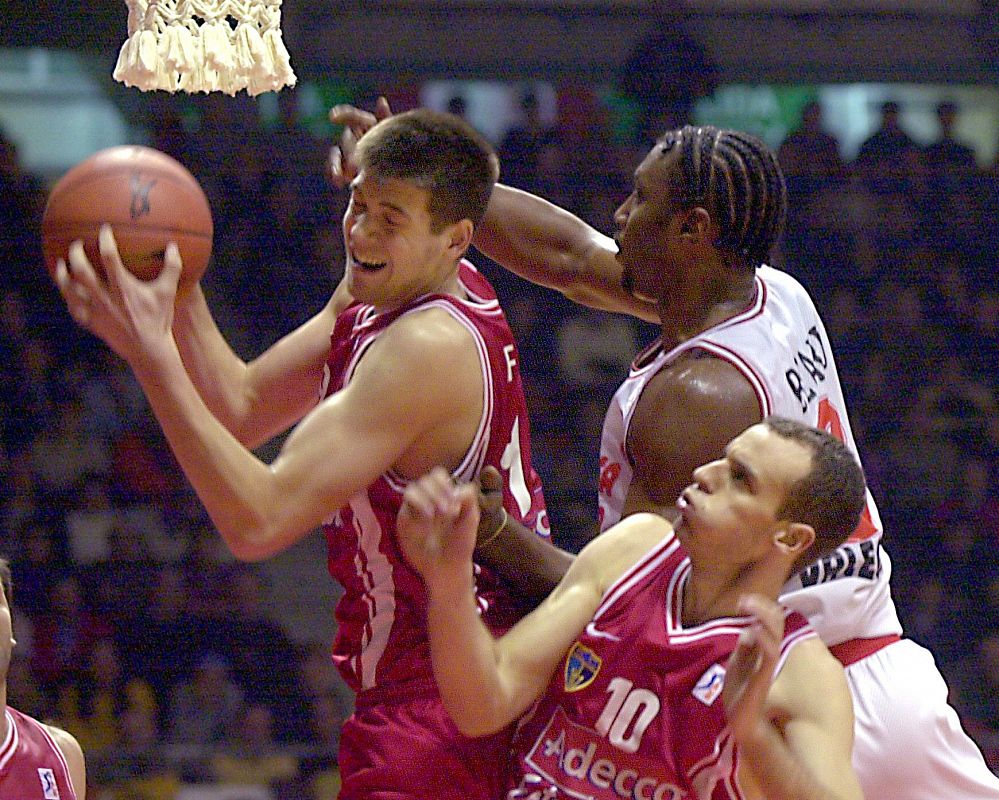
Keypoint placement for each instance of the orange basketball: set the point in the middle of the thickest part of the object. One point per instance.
(148, 198)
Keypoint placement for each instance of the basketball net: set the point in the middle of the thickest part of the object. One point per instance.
(205, 46)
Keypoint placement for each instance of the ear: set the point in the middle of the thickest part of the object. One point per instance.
(460, 237)
(696, 225)
(794, 539)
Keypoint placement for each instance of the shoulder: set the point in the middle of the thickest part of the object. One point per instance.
(812, 682)
(73, 753)
(698, 390)
(607, 557)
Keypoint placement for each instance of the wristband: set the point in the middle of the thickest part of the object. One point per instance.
(502, 525)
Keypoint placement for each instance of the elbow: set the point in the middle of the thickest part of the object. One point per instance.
(250, 543)
(475, 725)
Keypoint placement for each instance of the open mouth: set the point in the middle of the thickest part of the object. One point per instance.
(367, 266)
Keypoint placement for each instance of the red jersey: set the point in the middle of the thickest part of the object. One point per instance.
(636, 710)
(32, 767)
(381, 635)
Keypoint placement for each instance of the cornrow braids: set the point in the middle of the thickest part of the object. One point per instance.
(736, 178)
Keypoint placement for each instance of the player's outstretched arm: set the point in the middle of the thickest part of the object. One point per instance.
(255, 401)
(549, 246)
(73, 753)
(795, 733)
(532, 565)
(422, 372)
(487, 683)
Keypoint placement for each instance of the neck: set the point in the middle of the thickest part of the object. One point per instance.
(712, 594)
(704, 300)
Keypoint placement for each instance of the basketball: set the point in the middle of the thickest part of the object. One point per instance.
(147, 198)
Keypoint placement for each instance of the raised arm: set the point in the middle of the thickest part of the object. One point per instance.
(794, 733)
(397, 395)
(549, 246)
(487, 683)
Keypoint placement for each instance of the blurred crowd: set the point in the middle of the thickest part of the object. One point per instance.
(141, 637)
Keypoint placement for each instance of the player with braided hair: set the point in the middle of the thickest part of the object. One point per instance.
(739, 341)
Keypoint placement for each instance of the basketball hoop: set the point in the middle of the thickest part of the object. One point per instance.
(205, 46)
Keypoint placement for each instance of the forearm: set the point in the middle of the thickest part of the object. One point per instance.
(235, 487)
(531, 565)
(551, 247)
(216, 371)
(465, 660)
(783, 774)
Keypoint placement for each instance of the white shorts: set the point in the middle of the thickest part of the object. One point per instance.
(909, 742)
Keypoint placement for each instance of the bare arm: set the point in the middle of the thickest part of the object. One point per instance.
(259, 400)
(531, 565)
(687, 415)
(794, 734)
(396, 396)
(549, 246)
(487, 683)
(73, 754)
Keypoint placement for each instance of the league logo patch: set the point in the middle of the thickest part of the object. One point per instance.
(581, 667)
(49, 787)
(709, 687)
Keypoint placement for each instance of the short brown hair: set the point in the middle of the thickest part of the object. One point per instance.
(438, 152)
(831, 497)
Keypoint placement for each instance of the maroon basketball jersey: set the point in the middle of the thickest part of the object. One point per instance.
(636, 709)
(381, 635)
(32, 767)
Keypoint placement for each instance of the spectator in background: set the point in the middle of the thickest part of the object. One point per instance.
(947, 158)
(888, 159)
(262, 655)
(667, 71)
(65, 635)
(523, 146)
(137, 768)
(251, 755)
(809, 156)
(166, 641)
(203, 711)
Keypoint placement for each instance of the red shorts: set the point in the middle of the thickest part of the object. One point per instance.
(410, 748)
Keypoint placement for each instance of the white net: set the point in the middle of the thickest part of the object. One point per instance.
(205, 46)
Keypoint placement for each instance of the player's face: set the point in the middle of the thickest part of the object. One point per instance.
(393, 256)
(648, 224)
(732, 508)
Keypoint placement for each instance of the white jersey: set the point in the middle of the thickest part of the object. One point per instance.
(780, 345)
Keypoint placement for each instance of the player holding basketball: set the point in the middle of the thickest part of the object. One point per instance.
(661, 665)
(420, 371)
(739, 341)
(37, 761)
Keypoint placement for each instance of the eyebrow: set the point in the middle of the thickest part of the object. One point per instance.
(355, 186)
(751, 477)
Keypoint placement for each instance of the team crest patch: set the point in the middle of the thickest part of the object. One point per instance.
(581, 667)
(50, 789)
(709, 687)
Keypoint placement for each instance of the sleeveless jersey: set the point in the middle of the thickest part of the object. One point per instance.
(32, 766)
(780, 346)
(381, 618)
(636, 709)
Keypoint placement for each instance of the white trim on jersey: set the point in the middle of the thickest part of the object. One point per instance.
(475, 456)
(58, 751)
(375, 572)
(10, 743)
(648, 563)
(731, 357)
